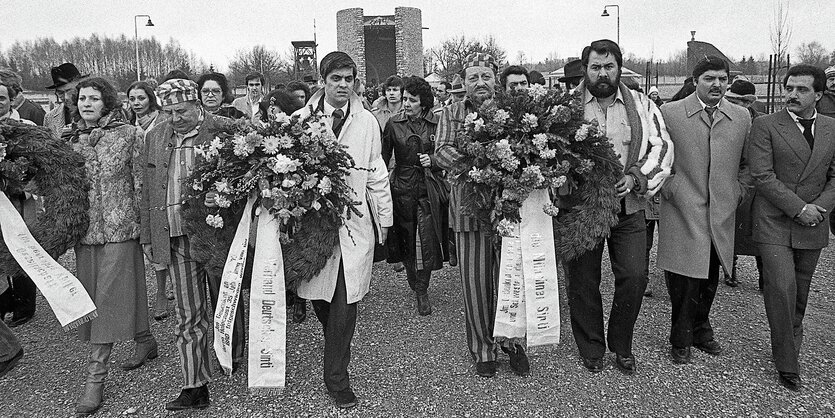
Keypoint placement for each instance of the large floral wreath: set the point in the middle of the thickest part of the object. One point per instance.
(538, 139)
(33, 162)
(296, 168)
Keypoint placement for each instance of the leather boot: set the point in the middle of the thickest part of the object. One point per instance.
(423, 305)
(146, 349)
(299, 309)
(90, 401)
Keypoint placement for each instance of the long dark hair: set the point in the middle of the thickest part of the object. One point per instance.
(149, 91)
(280, 98)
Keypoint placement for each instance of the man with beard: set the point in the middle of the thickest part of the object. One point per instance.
(698, 203)
(478, 257)
(793, 166)
(826, 105)
(636, 130)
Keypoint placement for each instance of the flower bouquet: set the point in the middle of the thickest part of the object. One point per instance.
(296, 168)
(537, 139)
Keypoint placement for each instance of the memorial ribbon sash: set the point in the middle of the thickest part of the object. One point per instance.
(528, 296)
(65, 294)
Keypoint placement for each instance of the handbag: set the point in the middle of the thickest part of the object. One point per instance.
(380, 250)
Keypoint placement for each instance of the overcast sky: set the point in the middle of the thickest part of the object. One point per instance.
(214, 30)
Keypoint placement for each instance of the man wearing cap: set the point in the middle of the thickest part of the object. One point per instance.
(458, 91)
(169, 152)
(477, 258)
(699, 202)
(572, 74)
(826, 105)
(336, 291)
(64, 79)
(743, 93)
(23, 107)
(637, 133)
(793, 165)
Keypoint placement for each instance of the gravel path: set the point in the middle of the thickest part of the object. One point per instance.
(407, 365)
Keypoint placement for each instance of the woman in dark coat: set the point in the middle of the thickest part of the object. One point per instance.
(419, 235)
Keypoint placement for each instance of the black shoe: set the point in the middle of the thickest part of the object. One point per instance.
(193, 398)
(626, 364)
(595, 365)
(486, 368)
(681, 355)
(518, 360)
(648, 293)
(299, 310)
(453, 259)
(711, 347)
(398, 267)
(8, 365)
(790, 381)
(731, 281)
(18, 320)
(423, 306)
(344, 398)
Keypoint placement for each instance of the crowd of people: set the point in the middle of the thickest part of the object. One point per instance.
(715, 177)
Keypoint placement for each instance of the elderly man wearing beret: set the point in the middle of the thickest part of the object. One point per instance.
(478, 260)
(169, 151)
(337, 289)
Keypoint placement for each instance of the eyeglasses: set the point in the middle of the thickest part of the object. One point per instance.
(213, 92)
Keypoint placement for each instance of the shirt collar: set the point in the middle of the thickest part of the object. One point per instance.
(588, 97)
(795, 117)
(328, 109)
(704, 105)
(196, 130)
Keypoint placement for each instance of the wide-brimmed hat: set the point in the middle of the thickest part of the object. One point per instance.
(742, 89)
(573, 70)
(64, 74)
(457, 85)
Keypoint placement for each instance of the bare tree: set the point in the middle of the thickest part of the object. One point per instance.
(448, 57)
(275, 68)
(813, 53)
(781, 35)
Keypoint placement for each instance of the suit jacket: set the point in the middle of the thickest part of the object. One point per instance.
(159, 144)
(710, 178)
(787, 175)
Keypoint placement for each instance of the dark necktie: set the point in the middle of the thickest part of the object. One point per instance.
(709, 110)
(338, 120)
(807, 131)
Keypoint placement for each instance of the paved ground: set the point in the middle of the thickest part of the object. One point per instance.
(406, 365)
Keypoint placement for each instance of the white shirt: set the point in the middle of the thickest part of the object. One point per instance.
(614, 122)
(799, 126)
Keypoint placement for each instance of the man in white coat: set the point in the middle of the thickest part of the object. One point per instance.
(344, 280)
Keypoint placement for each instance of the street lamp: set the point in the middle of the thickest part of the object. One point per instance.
(136, 39)
(606, 14)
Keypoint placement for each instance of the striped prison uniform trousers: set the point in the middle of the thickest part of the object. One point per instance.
(192, 314)
(478, 262)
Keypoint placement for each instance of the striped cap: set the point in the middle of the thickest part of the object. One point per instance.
(177, 90)
(480, 59)
(830, 72)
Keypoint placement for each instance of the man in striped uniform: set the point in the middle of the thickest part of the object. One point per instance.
(478, 257)
(169, 153)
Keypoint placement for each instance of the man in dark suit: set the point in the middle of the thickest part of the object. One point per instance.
(793, 163)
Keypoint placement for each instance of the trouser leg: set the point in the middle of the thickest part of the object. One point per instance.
(585, 302)
(192, 314)
(683, 292)
(339, 320)
(418, 279)
(650, 237)
(628, 266)
(478, 266)
(25, 293)
(785, 295)
(9, 344)
(238, 336)
(702, 330)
